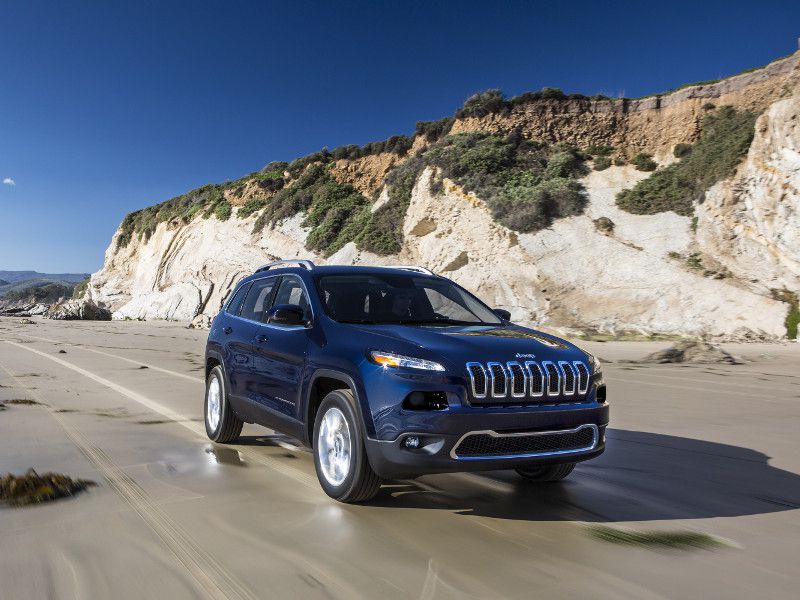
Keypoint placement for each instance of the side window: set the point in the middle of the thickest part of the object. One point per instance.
(257, 301)
(292, 291)
(235, 305)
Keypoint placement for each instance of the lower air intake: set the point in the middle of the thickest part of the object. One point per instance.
(493, 445)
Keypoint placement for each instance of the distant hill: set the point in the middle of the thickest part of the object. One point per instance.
(19, 289)
(7, 277)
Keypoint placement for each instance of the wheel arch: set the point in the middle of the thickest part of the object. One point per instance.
(213, 360)
(323, 382)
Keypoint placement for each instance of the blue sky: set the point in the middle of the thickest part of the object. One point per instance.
(107, 107)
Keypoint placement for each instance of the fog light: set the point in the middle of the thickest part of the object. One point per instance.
(411, 442)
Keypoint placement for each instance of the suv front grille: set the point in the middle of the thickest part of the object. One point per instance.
(490, 444)
(529, 381)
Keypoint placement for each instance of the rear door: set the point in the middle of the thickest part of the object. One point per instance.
(245, 331)
(233, 341)
(280, 353)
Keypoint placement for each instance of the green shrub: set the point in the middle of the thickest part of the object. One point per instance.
(483, 104)
(397, 144)
(551, 93)
(334, 210)
(793, 315)
(695, 261)
(681, 150)
(223, 210)
(333, 206)
(298, 165)
(619, 162)
(604, 225)
(276, 165)
(253, 205)
(644, 162)
(525, 184)
(292, 199)
(434, 130)
(269, 181)
(144, 222)
(725, 136)
(601, 163)
(381, 232)
(600, 150)
(80, 288)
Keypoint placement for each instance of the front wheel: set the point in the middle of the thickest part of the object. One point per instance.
(340, 458)
(546, 473)
(222, 424)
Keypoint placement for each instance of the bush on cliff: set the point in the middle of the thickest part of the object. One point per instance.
(725, 137)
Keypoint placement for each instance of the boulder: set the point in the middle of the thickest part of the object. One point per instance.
(73, 310)
(200, 322)
(692, 351)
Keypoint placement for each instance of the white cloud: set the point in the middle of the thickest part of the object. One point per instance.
(9, 181)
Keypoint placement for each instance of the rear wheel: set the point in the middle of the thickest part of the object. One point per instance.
(222, 424)
(546, 473)
(340, 457)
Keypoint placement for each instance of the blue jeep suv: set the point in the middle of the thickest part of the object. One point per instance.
(388, 372)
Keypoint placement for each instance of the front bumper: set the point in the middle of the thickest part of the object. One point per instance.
(438, 451)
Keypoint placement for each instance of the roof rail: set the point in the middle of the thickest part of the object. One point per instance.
(307, 264)
(409, 268)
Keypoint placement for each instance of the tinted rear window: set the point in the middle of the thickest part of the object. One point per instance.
(258, 299)
(235, 305)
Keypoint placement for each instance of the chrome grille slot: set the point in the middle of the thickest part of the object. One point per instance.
(477, 377)
(517, 376)
(583, 376)
(536, 378)
(553, 378)
(497, 379)
(568, 371)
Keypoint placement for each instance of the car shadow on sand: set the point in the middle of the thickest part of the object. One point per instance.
(641, 477)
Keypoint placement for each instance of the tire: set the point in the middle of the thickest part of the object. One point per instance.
(340, 457)
(226, 426)
(546, 473)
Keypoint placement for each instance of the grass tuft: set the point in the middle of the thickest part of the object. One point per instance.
(672, 540)
(33, 488)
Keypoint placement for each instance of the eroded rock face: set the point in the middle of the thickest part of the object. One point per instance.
(74, 310)
(751, 223)
(653, 124)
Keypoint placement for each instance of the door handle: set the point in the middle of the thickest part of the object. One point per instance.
(227, 330)
(262, 339)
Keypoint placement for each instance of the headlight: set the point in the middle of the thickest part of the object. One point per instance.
(389, 359)
(594, 362)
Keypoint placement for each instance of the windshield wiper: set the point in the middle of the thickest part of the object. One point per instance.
(437, 321)
(360, 321)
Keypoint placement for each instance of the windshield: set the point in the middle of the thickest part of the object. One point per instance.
(403, 299)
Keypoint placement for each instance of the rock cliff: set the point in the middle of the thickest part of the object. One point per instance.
(728, 272)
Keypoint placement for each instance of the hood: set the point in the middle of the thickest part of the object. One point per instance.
(460, 344)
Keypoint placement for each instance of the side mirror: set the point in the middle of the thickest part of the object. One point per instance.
(502, 313)
(286, 314)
